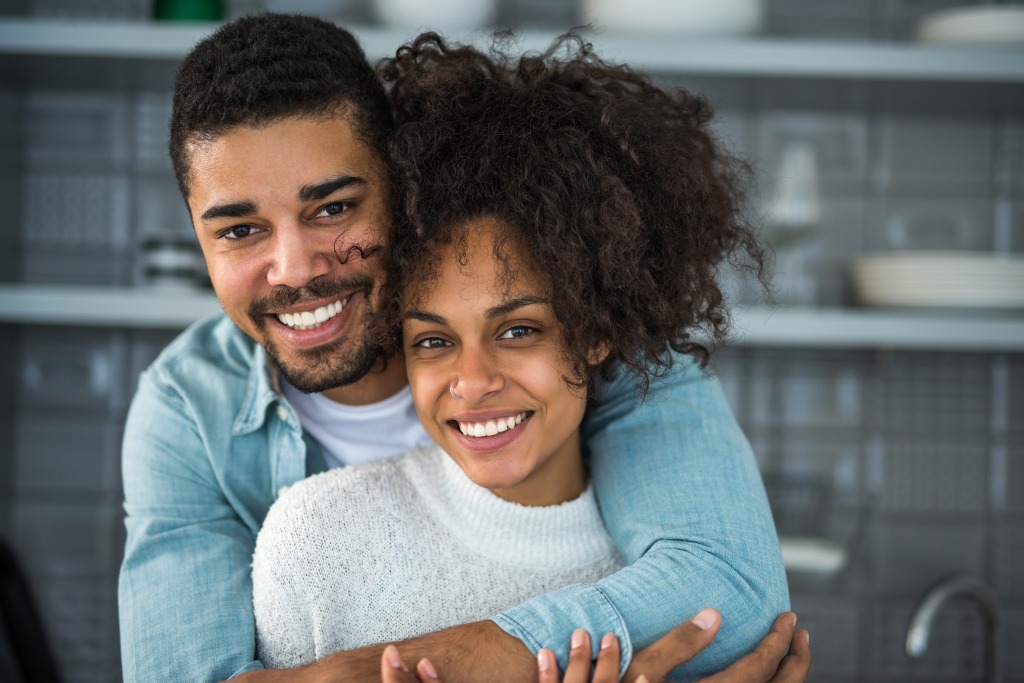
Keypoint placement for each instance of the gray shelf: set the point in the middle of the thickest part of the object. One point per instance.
(759, 57)
(159, 308)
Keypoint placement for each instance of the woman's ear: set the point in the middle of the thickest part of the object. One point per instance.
(599, 353)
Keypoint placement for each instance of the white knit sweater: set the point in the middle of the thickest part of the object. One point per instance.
(395, 549)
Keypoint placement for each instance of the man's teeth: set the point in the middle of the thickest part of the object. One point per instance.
(491, 427)
(310, 320)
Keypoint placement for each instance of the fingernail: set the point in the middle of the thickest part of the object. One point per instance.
(577, 638)
(641, 679)
(428, 668)
(607, 641)
(792, 623)
(705, 619)
(544, 660)
(807, 637)
(394, 659)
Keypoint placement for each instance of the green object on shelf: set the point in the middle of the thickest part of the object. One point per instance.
(189, 10)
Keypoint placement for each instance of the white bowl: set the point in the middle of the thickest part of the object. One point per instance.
(445, 16)
(939, 279)
(975, 24)
(689, 17)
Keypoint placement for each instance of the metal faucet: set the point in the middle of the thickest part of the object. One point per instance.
(959, 585)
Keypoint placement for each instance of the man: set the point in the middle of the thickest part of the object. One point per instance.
(276, 140)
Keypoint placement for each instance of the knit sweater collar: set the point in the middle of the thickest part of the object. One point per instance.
(570, 534)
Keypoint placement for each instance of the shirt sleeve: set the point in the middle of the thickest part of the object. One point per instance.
(184, 592)
(681, 495)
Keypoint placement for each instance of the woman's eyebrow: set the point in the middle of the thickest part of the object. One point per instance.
(512, 304)
(425, 317)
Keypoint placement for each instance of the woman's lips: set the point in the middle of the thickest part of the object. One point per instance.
(489, 442)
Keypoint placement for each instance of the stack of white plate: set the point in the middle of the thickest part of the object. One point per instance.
(940, 279)
(976, 24)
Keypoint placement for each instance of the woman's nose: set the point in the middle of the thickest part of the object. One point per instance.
(478, 376)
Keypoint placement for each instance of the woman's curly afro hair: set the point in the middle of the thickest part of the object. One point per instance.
(614, 190)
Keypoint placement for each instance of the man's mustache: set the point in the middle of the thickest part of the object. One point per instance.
(316, 289)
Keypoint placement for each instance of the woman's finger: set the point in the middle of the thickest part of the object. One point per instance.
(393, 669)
(547, 667)
(607, 668)
(427, 672)
(578, 670)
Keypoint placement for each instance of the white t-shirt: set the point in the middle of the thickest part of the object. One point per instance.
(351, 435)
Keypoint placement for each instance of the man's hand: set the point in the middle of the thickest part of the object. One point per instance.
(768, 663)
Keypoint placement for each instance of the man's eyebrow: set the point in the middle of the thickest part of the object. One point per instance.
(229, 210)
(309, 193)
(494, 312)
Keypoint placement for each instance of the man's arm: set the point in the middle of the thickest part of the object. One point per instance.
(184, 595)
(683, 499)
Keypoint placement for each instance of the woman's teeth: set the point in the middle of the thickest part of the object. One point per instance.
(491, 427)
(310, 320)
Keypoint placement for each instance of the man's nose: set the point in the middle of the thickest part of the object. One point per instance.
(298, 256)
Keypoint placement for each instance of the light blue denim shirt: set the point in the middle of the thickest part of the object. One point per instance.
(210, 442)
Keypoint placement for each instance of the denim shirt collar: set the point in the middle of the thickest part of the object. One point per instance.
(262, 389)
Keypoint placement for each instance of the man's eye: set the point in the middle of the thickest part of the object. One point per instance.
(237, 232)
(333, 209)
(432, 343)
(517, 332)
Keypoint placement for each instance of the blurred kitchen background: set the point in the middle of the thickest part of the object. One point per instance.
(883, 390)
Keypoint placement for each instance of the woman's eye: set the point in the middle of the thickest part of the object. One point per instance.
(238, 232)
(432, 343)
(333, 209)
(516, 332)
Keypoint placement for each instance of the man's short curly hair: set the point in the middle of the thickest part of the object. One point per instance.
(264, 67)
(616, 191)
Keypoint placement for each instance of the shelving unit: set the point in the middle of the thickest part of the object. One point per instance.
(888, 468)
(759, 57)
(836, 328)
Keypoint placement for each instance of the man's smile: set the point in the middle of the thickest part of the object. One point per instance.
(311, 320)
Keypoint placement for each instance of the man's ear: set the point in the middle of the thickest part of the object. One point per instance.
(599, 353)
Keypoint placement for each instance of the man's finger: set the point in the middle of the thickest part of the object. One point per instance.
(761, 665)
(796, 665)
(679, 645)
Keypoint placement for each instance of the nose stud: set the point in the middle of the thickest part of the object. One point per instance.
(451, 389)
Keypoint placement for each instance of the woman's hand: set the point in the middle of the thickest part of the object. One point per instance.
(394, 670)
(768, 663)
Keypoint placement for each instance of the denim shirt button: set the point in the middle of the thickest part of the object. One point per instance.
(282, 413)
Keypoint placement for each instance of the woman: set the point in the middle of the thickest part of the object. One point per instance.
(555, 219)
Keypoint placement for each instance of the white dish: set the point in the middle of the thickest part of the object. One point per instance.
(939, 279)
(670, 17)
(977, 24)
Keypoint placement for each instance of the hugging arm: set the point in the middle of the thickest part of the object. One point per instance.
(682, 497)
(184, 594)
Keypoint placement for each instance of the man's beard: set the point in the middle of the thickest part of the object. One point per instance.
(324, 367)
